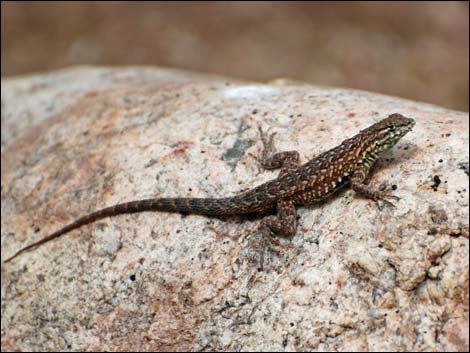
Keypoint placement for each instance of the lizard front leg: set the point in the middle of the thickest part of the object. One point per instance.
(284, 223)
(287, 160)
(358, 185)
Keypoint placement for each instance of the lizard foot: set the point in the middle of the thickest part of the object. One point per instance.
(381, 200)
(268, 148)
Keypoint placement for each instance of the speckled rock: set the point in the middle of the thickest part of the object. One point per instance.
(354, 277)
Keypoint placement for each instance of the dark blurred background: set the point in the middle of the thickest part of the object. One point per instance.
(416, 50)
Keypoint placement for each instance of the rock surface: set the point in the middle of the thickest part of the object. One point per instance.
(353, 278)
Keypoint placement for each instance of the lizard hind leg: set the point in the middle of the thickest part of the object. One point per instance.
(284, 223)
(287, 160)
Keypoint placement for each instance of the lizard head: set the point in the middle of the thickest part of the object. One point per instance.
(387, 132)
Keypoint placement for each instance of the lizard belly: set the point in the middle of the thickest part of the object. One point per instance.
(318, 193)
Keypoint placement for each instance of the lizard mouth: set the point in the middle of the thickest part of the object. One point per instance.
(393, 137)
(402, 130)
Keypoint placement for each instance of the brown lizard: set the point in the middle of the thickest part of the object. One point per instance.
(296, 185)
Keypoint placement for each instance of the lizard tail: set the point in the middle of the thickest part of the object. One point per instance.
(204, 206)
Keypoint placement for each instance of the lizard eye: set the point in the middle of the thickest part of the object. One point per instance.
(392, 128)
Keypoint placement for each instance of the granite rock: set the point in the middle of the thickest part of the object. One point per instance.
(354, 277)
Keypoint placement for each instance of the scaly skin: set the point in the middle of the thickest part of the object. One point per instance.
(348, 163)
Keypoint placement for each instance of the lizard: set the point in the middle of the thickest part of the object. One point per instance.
(297, 185)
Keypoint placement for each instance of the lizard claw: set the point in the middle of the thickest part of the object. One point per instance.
(266, 138)
(381, 203)
(255, 157)
(264, 228)
(382, 200)
(268, 148)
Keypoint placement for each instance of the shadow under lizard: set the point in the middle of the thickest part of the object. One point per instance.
(296, 185)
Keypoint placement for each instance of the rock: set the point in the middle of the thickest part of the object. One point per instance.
(353, 277)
